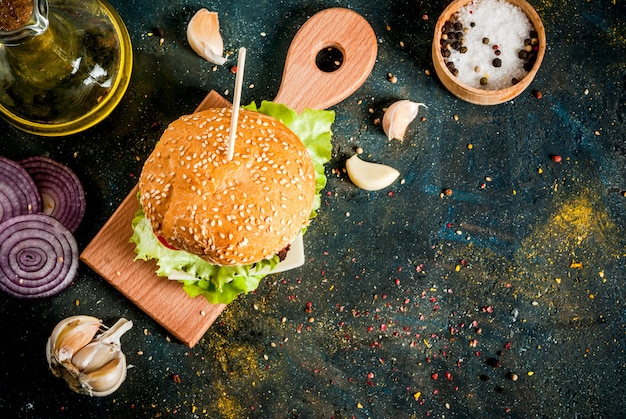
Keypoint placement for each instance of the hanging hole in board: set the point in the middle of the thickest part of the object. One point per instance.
(329, 59)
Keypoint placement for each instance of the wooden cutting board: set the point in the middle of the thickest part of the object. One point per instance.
(304, 85)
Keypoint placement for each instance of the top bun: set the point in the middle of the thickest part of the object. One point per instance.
(228, 212)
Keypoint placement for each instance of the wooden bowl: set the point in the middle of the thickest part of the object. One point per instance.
(485, 96)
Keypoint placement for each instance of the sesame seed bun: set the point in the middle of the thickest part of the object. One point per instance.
(228, 212)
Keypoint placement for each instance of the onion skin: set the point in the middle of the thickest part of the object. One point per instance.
(18, 192)
(38, 256)
(62, 193)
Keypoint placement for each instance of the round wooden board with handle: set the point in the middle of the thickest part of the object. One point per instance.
(304, 85)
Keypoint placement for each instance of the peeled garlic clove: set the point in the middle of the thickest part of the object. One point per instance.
(397, 118)
(370, 176)
(203, 35)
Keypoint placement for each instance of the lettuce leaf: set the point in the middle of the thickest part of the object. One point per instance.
(222, 284)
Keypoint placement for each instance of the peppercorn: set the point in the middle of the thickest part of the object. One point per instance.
(497, 62)
(486, 41)
(463, 50)
(497, 52)
(523, 54)
(484, 81)
(458, 26)
(456, 45)
(455, 72)
(445, 52)
(472, 24)
(538, 94)
(447, 192)
(533, 34)
(514, 80)
(556, 158)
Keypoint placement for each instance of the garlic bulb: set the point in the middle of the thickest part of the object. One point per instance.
(91, 364)
(370, 176)
(397, 118)
(203, 35)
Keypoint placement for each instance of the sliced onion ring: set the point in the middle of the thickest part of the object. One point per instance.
(18, 192)
(61, 192)
(38, 256)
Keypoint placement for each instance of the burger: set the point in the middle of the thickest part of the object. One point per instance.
(220, 224)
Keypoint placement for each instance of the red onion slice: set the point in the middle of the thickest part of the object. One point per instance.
(61, 192)
(38, 256)
(18, 192)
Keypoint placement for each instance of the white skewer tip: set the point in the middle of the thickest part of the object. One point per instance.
(241, 61)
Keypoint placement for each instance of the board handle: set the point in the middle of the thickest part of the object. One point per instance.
(304, 84)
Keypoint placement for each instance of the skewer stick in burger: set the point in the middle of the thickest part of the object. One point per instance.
(221, 225)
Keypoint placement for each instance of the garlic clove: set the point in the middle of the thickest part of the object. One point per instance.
(106, 379)
(73, 335)
(93, 356)
(370, 176)
(102, 349)
(203, 35)
(67, 324)
(397, 118)
(89, 363)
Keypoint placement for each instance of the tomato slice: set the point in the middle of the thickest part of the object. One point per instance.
(165, 243)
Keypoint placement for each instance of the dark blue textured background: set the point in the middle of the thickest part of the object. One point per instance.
(403, 283)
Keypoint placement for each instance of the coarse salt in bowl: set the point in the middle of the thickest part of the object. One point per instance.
(487, 52)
